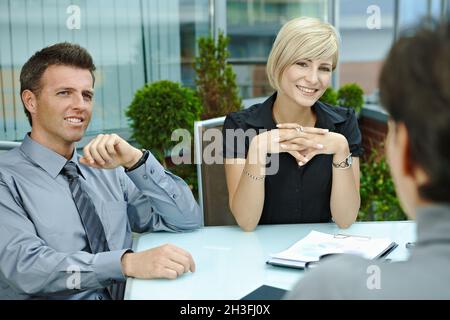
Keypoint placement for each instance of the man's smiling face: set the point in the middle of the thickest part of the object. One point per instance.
(63, 105)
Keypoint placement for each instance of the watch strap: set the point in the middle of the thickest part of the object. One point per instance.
(145, 154)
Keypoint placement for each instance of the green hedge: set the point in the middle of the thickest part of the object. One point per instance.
(329, 96)
(215, 78)
(157, 110)
(379, 201)
(351, 95)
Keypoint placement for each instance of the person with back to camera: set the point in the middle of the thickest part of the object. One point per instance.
(415, 90)
(318, 145)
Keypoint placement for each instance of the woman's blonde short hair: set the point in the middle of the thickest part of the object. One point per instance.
(301, 38)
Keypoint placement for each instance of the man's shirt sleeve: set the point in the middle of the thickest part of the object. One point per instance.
(159, 200)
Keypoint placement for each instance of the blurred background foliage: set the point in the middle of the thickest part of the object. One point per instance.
(379, 201)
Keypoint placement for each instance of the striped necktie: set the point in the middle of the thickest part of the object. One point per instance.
(91, 222)
(89, 217)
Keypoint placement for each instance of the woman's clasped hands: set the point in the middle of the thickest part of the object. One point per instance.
(303, 143)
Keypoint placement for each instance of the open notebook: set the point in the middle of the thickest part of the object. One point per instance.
(317, 244)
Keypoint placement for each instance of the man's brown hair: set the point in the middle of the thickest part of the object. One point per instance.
(415, 90)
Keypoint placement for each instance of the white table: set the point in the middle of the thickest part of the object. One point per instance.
(231, 263)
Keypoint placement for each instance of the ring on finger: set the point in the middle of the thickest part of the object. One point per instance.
(300, 129)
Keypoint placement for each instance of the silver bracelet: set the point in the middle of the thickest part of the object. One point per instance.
(344, 164)
(254, 177)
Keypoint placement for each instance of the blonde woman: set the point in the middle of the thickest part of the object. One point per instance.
(317, 145)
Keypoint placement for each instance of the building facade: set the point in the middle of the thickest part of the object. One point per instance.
(134, 42)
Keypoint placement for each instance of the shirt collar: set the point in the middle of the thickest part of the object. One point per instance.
(327, 118)
(47, 159)
(261, 116)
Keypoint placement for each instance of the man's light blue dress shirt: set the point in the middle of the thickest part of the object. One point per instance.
(41, 234)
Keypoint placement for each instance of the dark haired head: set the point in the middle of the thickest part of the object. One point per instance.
(65, 53)
(415, 90)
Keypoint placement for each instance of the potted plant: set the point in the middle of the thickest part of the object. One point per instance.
(329, 96)
(351, 95)
(215, 78)
(156, 111)
(379, 201)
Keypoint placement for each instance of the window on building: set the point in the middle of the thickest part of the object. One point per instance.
(132, 42)
(252, 26)
(194, 23)
(367, 32)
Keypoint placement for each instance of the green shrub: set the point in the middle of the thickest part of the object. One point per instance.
(329, 96)
(351, 95)
(157, 110)
(379, 201)
(215, 79)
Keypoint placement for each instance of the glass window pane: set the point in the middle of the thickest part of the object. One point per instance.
(436, 7)
(194, 23)
(367, 32)
(252, 26)
(410, 15)
(132, 42)
(7, 103)
(447, 14)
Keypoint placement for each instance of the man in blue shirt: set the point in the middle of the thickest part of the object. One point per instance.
(65, 219)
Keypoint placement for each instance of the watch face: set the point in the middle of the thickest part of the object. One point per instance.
(349, 160)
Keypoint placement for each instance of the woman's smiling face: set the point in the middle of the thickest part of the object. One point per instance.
(305, 81)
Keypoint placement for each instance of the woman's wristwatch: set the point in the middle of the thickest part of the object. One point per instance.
(344, 164)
